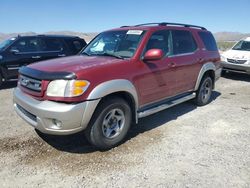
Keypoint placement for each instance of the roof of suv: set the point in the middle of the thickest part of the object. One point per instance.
(149, 26)
(48, 35)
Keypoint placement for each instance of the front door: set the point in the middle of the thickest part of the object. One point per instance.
(156, 80)
(23, 52)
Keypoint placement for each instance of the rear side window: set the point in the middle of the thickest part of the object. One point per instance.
(208, 41)
(53, 44)
(75, 45)
(183, 42)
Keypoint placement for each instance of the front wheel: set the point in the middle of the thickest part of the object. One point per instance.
(203, 95)
(109, 124)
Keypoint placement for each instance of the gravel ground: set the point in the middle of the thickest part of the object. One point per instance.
(185, 146)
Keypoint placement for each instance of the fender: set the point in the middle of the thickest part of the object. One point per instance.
(206, 67)
(113, 86)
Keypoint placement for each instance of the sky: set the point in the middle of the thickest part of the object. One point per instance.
(96, 16)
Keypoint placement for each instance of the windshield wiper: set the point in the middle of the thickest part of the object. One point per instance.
(111, 55)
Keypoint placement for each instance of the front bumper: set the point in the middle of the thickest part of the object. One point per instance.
(241, 68)
(218, 73)
(52, 117)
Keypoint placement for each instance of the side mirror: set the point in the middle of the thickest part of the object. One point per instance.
(14, 51)
(153, 54)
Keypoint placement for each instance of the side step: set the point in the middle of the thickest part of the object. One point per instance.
(166, 105)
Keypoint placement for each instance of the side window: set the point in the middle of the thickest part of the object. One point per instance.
(75, 45)
(160, 40)
(25, 45)
(52, 45)
(183, 42)
(208, 41)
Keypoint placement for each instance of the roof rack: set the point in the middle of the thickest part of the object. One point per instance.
(168, 23)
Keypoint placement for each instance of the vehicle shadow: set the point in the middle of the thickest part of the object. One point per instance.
(236, 76)
(8, 85)
(77, 143)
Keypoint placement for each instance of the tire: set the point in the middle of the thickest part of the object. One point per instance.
(203, 95)
(1, 80)
(109, 124)
(223, 72)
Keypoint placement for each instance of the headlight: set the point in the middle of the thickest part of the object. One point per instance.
(1, 57)
(223, 58)
(67, 88)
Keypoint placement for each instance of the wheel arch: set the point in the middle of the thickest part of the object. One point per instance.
(121, 88)
(207, 69)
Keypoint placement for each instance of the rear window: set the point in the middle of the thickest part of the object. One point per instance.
(183, 42)
(75, 45)
(208, 41)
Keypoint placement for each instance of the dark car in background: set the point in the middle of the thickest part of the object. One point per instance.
(23, 50)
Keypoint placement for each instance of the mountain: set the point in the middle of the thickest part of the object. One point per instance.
(230, 36)
(86, 36)
(219, 36)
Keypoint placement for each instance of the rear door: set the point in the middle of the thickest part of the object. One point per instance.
(52, 47)
(184, 60)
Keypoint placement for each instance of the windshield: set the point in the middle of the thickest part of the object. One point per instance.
(6, 43)
(242, 45)
(119, 44)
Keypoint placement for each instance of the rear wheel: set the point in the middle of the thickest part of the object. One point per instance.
(110, 123)
(203, 95)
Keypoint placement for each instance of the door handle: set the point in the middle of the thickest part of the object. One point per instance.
(61, 55)
(36, 57)
(172, 64)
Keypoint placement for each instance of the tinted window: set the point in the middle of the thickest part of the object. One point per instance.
(75, 45)
(159, 40)
(52, 44)
(208, 41)
(27, 45)
(183, 42)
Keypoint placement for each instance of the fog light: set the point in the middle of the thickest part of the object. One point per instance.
(57, 124)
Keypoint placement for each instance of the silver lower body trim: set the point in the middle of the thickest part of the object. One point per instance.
(166, 105)
(51, 117)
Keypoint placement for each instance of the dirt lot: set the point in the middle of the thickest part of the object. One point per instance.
(184, 146)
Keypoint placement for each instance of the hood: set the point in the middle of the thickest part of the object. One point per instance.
(237, 54)
(74, 63)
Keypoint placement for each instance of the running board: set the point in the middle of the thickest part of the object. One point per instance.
(166, 105)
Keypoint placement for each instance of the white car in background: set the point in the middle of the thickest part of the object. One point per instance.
(237, 59)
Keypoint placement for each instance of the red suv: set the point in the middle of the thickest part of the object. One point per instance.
(122, 75)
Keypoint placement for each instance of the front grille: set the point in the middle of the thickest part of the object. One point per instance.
(236, 61)
(30, 83)
(25, 112)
